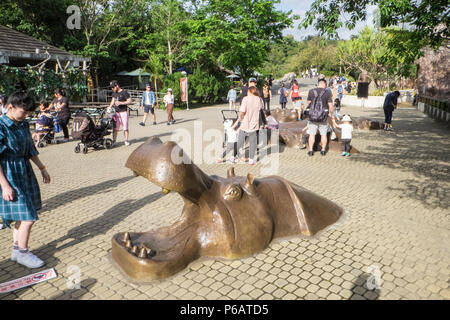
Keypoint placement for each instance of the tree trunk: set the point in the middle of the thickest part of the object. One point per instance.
(170, 55)
(156, 92)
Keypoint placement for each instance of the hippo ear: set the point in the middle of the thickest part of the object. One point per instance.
(249, 186)
(230, 173)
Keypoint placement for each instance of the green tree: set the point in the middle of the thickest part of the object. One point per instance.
(429, 19)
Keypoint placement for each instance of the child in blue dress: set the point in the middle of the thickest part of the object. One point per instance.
(21, 198)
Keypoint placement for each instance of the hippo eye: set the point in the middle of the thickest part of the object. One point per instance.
(233, 192)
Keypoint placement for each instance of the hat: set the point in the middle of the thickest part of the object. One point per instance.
(169, 89)
(347, 118)
(321, 76)
(113, 83)
(252, 80)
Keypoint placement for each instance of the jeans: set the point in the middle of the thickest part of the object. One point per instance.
(63, 124)
(388, 115)
(346, 145)
(231, 146)
(266, 104)
(253, 138)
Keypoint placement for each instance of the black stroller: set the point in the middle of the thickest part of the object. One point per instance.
(46, 132)
(91, 135)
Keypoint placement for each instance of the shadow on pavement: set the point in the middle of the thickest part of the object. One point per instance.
(362, 281)
(88, 230)
(418, 145)
(76, 294)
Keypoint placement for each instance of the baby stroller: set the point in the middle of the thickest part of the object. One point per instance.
(91, 135)
(45, 131)
(229, 117)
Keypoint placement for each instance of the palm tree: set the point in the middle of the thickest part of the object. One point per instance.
(154, 66)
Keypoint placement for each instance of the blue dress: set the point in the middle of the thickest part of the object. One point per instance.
(283, 98)
(16, 149)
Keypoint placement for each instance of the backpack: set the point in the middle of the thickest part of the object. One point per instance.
(317, 111)
(286, 93)
(266, 92)
(295, 91)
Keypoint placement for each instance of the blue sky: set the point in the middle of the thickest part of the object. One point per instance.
(299, 7)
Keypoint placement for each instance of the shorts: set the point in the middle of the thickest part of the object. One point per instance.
(121, 119)
(149, 107)
(295, 98)
(313, 126)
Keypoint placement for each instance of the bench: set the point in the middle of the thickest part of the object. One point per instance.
(133, 109)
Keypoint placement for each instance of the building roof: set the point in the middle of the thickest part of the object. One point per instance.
(19, 45)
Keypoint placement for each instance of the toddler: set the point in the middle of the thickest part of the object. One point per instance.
(346, 135)
(231, 142)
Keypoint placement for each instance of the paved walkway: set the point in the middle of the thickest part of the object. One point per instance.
(395, 193)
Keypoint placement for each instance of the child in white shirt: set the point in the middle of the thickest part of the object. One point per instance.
(346, 134)
(231, 142)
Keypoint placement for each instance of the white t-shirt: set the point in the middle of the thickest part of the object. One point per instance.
(347, 130)
(232, 135)
(169, 100)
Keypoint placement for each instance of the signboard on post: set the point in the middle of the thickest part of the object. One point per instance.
(183, 87)
(184, 90)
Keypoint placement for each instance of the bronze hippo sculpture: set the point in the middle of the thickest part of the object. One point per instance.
(291, 134)
(284, 115)
(230, 218)
(363, 123)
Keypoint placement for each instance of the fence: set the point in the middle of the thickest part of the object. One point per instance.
(435, 108)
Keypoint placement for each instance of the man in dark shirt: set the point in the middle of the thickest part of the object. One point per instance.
(251, 83)
(390, 103)
(120, 101)
(321, 126)
(61, 105)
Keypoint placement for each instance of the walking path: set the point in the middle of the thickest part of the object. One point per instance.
(395, 193)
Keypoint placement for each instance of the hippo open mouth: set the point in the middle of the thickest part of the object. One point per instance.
(229, 217)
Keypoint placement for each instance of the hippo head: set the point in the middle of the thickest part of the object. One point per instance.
(228, 217)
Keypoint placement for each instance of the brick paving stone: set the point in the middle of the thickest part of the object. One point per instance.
(406, 242)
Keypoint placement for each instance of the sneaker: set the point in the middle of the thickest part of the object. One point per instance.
(173, 121)
(303, 146)
(323, 152)
(343, 153)
(347, 154)
(14, 254)
(29, 260)
(219, 160)
(168, 123)
(251, 162)
(233, 160)
(141, 124)
(154, 123)
(127, 143)
(310, 153)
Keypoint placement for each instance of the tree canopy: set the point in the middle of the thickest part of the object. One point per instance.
(429, 19)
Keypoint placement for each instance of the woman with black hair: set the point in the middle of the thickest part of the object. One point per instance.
(21, 197)
(61, 106)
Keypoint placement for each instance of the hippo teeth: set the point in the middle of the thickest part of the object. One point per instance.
(128, 244)
(165, 191)
(126, 237)
(143, 253)
(134, 250)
